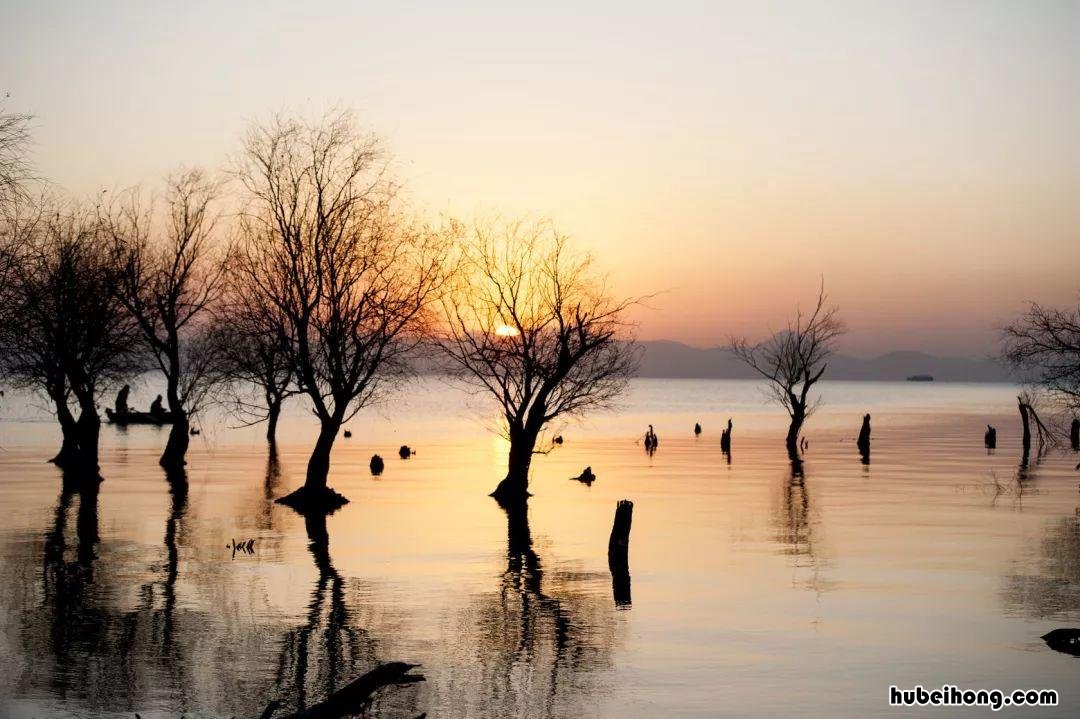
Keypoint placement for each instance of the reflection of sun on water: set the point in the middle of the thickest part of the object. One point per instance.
(506, 331)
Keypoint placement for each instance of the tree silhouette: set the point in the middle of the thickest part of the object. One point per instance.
(323, 246)
(530, 324)
(172, 281)
(63, 331)
(794, 360)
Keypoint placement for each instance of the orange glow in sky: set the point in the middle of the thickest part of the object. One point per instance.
(720, 157)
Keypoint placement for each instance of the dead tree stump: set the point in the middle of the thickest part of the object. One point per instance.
(619, 552)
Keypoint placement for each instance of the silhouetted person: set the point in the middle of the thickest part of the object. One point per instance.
(122, 400)
(990, 438)
(156, 409)
(1074, 434)
(864, 439)
(697, 428)
(725, 439)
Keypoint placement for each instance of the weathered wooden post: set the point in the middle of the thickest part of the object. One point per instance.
(619, 552)
(864, 439)
(990, 438)
(725, 439)
(1074, 434)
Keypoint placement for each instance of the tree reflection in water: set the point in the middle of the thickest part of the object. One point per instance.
(1049, 586)
(794, 520)
(537, 645)
(326, 651)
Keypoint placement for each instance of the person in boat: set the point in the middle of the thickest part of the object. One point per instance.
(156, 409)
(122, 400)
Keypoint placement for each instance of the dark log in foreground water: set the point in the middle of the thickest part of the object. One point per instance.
(618, 552)
(1065, 640)
(354, 698)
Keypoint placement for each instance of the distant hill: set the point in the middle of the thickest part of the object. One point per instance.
(673, 359)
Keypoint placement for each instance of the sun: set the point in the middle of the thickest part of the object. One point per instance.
(506, 331)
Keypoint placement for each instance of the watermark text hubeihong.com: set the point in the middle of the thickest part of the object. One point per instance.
(951, 696)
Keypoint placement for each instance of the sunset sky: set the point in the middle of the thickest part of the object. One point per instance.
(924, 157)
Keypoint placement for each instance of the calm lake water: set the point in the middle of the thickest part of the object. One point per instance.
(755, 592)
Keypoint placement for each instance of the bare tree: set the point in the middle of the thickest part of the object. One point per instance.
(63, 332)
(323, 245)
(14, 169)
(1044, 343)
(254, 343)
(530, 324)
(793, 360)
(173, 278)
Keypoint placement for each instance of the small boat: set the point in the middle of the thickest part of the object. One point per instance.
(138, 418)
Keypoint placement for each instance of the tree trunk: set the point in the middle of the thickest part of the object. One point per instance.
(1027, 432)
(69, 445)
(515, 487)
(318, 468)
(798, 416)
(88, 430)
(273, 412)
(177, 445)
(315, 496)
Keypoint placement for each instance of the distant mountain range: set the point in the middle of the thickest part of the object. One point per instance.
(673, 359)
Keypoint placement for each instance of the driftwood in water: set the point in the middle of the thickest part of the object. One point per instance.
(619, 552)
(990, 438)
(1065, 640)
(405, 451)
(1074, 434)
(863, 443)
(354, 697)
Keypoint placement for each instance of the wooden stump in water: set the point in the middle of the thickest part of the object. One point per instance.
(864, 438)
(1074, 434)
(619, 552)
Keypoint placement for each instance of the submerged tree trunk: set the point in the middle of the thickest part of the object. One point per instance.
(798, 416)
(177, 445)
(273, 412)
(69, 445)
(315, 496)
(89, 430)
(78, 455)
(515, 487)
(318, 468)
(1026, 422)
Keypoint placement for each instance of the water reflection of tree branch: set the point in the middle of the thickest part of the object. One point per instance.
(794, 521)
(530, 649)
(327, 650)
(1049, 587)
